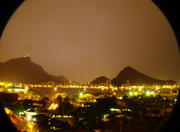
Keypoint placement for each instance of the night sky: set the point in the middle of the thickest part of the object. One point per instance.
(84, 39)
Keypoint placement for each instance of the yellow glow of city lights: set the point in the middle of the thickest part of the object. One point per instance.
(1, 83)
(55, 89)
(81, 94)
(135, 93)
(120, 97)
(7, 110)
(29, 117)
(148, 93)
(152, 92)
(130, 93)
(139, 88)
(53, 106)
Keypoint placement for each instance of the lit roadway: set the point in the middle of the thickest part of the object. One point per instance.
(20, 123)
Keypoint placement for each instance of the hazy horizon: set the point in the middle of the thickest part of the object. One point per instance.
(87, 80)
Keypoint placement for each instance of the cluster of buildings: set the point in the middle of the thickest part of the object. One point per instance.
(83, 98)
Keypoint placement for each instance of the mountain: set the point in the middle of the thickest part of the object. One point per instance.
(133, 77)
(25, 71)
(100, 80)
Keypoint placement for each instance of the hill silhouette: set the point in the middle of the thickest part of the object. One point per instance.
(133, 77)
(100, 80)
(23, 70)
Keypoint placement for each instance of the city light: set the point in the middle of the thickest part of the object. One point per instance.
(84, 99)
(114, 109)
(148, 93)
(131, 93)
(53, 106)
(55, 89)
(81, 94)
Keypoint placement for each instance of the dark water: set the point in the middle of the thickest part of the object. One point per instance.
(71, 91)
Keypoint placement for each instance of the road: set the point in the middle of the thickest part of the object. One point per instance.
(20, 123)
